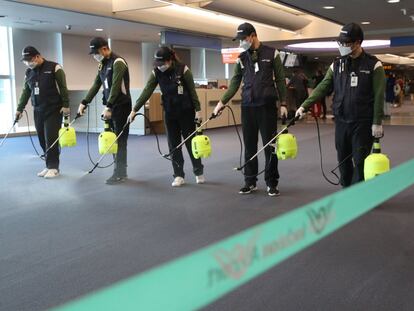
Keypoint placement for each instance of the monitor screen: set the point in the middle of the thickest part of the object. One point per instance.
(291, 60)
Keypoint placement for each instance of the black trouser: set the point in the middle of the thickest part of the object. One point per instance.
(177, 126)
(263, 119)
(352, 138)
(47, 125)
(120, 114)
(323, 103)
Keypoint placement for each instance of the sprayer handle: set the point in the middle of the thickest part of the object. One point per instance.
(293, 121)
(66, 120)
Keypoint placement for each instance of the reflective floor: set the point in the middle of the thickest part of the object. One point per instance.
(403, 115)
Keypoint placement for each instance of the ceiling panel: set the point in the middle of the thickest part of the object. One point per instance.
(386, 19)
(256, 11)
(38, 18)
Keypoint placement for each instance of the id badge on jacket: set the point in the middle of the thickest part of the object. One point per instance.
(36, 89)
(180, 90)
(354, 80)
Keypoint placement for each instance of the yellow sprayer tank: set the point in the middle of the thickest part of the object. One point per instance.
(376, 163)
(200, 146)
(286, 145)
(67, 134)
(107, 141)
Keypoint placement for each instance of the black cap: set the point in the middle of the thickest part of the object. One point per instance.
(28, 53)
(163, 54)
(244, 30)
(96, 43)
(351, 33)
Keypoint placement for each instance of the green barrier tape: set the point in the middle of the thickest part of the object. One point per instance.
(195, 280)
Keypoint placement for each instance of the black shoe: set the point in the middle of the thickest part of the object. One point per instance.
(248, 189)
(273, 191)
(115, 179)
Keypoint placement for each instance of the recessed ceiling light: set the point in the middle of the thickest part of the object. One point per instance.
(366, 23)
(316, 58)
(329, 7)
(99, 29)
(393, 1)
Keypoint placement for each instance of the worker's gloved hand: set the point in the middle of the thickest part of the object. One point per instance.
(18, 115)
(377, 131)
(81, 109)
(283, 112)
(107, 113)
(132, 116)
(198, 117)
(300, 112)
(218, 109)
(65, 111)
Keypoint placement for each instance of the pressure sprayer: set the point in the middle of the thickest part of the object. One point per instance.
(376, 163)
(286, 145)
(67, 134)
(9, 131)
(108, 142)
(291, 122)
(200, 144)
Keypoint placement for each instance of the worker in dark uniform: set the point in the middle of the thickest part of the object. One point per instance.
(113, 75)
(181, 108)
(260, 67)
(358, 81)
(45, 84)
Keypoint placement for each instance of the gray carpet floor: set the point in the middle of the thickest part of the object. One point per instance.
(63, 238)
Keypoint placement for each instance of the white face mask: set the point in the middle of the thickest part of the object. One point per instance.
(31, 65)
(345, 50)
(163, 68)
(98, 57)
(245, 45)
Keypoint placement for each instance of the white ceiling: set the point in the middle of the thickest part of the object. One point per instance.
(38, 18)
(193, 17)
(142, 20)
